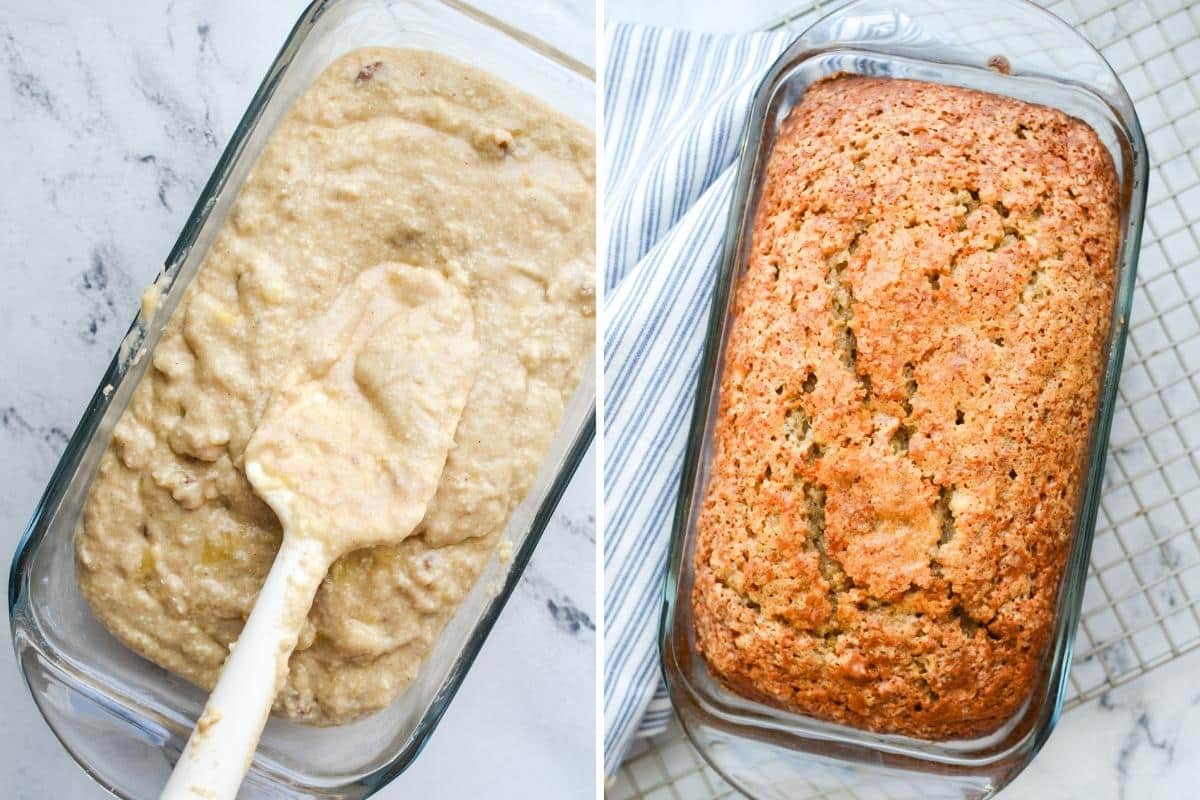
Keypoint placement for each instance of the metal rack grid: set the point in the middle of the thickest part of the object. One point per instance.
(1141, 607)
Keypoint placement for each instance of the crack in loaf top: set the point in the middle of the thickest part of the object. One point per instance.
(910, 377)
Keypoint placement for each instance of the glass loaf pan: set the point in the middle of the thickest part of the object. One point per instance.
(769, 753)
(124, 719)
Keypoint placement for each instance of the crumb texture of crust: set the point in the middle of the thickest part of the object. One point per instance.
(910, 377)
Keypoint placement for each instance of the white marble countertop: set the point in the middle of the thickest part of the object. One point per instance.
(112, 116)
(1140, 740)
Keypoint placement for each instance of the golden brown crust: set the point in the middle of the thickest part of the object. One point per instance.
(909, 384)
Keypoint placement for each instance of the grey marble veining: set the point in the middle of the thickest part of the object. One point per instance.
(1139, 741)
(112, 116)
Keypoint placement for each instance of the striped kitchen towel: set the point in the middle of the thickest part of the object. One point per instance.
(675, 108)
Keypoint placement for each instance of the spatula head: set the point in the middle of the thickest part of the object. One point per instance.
(352, 442)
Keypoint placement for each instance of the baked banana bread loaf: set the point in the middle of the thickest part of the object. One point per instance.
(909, 384)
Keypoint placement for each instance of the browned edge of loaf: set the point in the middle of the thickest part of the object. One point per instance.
(909, 383)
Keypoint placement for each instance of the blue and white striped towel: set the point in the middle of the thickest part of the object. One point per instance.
(675, 108)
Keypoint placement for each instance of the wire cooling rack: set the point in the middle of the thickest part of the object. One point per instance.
(1140, 607)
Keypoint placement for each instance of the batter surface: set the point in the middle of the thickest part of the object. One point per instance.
(392, 156)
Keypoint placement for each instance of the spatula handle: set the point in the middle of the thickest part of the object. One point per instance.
(221, 747)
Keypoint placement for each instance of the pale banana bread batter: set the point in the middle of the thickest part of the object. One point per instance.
(391, 157)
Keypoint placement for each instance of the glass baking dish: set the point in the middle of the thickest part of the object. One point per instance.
(124, 719)
(769, 753)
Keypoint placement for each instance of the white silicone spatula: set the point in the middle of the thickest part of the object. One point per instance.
(348, 454)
